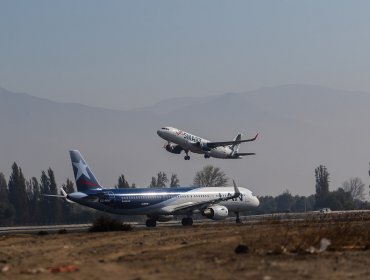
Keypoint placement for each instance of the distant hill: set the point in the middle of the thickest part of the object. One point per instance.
(300, 126)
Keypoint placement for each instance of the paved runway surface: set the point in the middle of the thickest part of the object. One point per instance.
(334, 215)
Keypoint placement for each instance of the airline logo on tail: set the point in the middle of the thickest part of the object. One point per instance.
(81, 169)
(85, 179)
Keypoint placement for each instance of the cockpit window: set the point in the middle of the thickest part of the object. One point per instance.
(165, 128)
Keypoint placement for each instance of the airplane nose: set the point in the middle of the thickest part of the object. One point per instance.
(159, 132)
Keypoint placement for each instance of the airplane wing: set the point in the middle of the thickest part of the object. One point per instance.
(212, 145)
(191, 206)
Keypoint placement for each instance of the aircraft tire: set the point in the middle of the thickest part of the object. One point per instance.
(187, 157)
(151, 223)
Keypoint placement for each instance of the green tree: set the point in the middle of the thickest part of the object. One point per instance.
(44, 183)
(160, 181)
(284, 202)
(45, 203)
(53, 185)
(18, 195)
(68, 186)
(122, 183)
(175, 182)
(210, 176)
(6, 210)
(55, 203)
(4, 196)
(322, 185)
(267, 205)
(33, 187)
(340, 200)
(153, 183)
(302, 204)
(355, 187)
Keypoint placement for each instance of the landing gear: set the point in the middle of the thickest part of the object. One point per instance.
(151, 223)
(207, 156)
(187, 157)
(187, 221)
(238, 221)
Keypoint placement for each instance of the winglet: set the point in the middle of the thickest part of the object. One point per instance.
(63, 192)
(250, 140)
(65, 195)
(254, 138)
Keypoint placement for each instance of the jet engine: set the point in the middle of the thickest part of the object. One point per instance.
(175, 149)
(216, 212)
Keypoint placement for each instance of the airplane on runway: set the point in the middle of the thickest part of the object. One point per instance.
(178, 141)
(159, 204)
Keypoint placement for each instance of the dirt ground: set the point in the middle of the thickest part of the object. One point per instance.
(324, 249)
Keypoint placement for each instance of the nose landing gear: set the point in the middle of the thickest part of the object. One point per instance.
(187, 157)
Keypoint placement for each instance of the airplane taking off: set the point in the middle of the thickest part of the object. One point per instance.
(159, 204)
(178, 141)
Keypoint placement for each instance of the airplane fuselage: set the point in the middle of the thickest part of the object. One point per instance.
(159, 204)
(193, 143)
(161, 201)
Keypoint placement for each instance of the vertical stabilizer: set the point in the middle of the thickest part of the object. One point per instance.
(85, 179)
(235, 147)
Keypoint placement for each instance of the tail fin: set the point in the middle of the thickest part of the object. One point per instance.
(85, 179)
(235, 147)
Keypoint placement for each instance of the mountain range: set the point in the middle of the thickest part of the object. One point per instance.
(299, 126)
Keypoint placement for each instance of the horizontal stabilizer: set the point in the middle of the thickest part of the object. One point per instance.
(244, 154)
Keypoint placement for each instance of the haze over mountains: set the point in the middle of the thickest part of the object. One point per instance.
(300, 127)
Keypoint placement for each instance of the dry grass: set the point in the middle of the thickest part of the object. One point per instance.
(345, 231)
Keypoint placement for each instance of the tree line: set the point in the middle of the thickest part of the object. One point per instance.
(350, 196)
(22, 201)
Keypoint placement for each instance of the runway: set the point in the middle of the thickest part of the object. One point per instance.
(250, 219)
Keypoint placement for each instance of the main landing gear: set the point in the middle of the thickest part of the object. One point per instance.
(187, 157)
(238, 221)
(187, 221)
(207, 156)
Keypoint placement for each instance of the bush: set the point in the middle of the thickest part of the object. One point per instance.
(106, 223)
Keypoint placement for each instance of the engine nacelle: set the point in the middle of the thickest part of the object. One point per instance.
(175, 149)
(217, 212)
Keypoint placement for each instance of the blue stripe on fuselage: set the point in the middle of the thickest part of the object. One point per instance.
(132, 199)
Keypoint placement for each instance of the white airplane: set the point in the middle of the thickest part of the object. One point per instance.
(178, 141)
(159, 204)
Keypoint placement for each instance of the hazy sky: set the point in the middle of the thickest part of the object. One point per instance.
(125, 54)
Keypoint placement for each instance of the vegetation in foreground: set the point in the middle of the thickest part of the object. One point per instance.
(107, 223)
